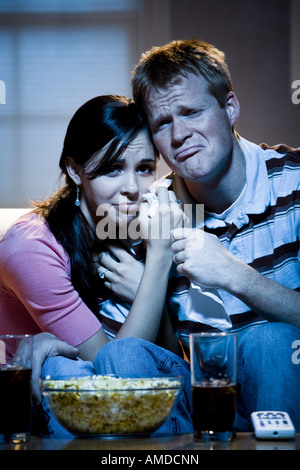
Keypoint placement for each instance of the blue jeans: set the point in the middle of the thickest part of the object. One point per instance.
(268, 378)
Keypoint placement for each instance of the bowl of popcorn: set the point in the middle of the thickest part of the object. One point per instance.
(112, 406)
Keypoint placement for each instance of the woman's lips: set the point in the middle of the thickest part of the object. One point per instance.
(129, 207)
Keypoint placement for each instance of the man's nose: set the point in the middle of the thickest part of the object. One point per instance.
(181, 130)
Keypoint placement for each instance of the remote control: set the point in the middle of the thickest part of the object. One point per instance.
(272, 425)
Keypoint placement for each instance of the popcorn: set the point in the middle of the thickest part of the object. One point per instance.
(111, 405)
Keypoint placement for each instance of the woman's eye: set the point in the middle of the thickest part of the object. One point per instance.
(146, 169)
(112, 170)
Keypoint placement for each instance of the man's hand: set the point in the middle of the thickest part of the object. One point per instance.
(202, 258)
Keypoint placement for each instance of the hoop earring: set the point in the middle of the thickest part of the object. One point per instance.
(77, 200)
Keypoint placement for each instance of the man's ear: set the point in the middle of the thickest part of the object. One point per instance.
(73, 169)
(232, 107)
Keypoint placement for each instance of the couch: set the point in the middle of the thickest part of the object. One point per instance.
(8, 216)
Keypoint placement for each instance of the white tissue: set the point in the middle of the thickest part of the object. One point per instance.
(152, 198)
(206, 306)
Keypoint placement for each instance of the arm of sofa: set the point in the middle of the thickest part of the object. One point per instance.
(8, 216)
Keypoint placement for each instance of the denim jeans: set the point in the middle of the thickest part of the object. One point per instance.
(268, 378)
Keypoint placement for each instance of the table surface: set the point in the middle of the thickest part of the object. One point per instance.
(242, 441)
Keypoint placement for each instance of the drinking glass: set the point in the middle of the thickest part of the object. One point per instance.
(213, 377)
(15, 388)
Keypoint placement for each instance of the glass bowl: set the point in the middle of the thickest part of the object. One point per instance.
(112, 406)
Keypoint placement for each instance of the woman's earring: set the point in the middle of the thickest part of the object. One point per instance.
(77, 200)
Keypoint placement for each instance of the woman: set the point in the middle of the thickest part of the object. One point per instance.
(49, 258)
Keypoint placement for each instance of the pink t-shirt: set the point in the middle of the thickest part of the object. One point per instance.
(36, 292)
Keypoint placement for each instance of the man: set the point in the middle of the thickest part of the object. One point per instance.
(249, 251)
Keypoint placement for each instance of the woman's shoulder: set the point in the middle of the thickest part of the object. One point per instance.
(29, 230)
(27, 225)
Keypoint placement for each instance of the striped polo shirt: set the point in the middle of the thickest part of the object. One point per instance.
(262, 229)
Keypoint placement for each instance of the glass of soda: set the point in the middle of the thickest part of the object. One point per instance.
(213, 377)
(15, 388)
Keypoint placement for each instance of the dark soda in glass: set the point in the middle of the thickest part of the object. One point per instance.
(15, 400)
(214, 407)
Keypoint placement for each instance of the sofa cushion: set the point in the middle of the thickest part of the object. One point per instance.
(8, 216)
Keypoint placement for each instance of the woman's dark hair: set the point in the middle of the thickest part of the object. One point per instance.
(105, 120)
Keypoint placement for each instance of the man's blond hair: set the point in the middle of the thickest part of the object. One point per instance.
(165, 65)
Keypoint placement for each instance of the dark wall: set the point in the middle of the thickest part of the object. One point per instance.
(255, 36)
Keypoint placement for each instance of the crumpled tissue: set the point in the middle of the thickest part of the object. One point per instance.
(205, 305)
(152, 198)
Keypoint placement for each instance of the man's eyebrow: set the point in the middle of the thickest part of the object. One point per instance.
(159, 119)
(181, 108)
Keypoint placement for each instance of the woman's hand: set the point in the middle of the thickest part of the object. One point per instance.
(47, 345)
(120, 271)
(155, 230)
